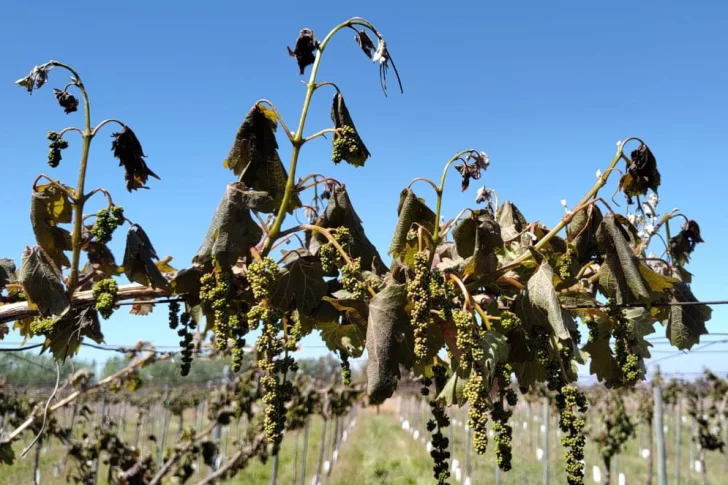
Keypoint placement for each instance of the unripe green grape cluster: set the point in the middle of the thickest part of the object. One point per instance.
(418, 292)
(261, 276)
(509, 321)
(104, 293)
(347, 146)
(215, 291)
(350, 279)
(107, 220)
(623, 333)
(570, 401)
(466, 337)
(552, 363)
(477, 393)
(563, 264)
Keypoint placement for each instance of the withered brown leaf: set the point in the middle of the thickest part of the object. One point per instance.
(128, 150)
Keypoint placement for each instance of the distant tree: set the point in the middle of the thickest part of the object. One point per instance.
(26, 369)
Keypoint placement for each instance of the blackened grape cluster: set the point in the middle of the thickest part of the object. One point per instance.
(440, 420)
(545, 357)
(215, 292)
(185, 334)
(418, 293)
(345, 368)
(570, 401)
(107, 220)
(104, 293)
(55, 146)
(501, 415)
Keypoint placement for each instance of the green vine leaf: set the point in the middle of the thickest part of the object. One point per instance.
(139, 259)
(620, 276)
(233, 231)
(43, 283)
(301, 281)
(186, 281)
(540, 293)
(411, 209)
(454, 390)
(254, 157)
(346, 337)
(529, 373)
(348, 145)
(511, 221)
(387, 329)
(7, 272)
(50, 206)
(340, 213)
(686, 323)
(495, 350)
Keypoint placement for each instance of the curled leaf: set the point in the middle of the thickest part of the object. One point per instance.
(50, 206)
(411, 210)
(300, 281)
(254, 156)
(582, 233)
(42, 283)
(68, 332)
(478, 236)
(542, 296)
(304, 50)
(683, 244)
(139, 258)
(511, 221)
(66, 100)
(37, 77)
(686, 323)
(7, 272)
(347, 143)
(101, 259)
(642, 173)
(128, 150)
(232, 231)
(365, 43)
(620, 276)
(386, 329)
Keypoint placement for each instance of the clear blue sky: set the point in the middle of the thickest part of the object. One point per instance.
(546, 88)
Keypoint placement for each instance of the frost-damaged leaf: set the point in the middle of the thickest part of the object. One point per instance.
(347, 337)
(411, 210)
(686, 322)
(139, 259)
(101, 259)
(50, 206)
(69, 331)
(529, 373)
(348, 145)
(511, 221)
(541, 294)
(42, 283)
(386, 338)
(187, 280)
(301, 280)
(582, 233)
(7, 272)
(340, 213)
(254, 154)
(602, 362)
(233, 231)
(128, 150)
(620, 275)
(478, 236)
(305, 49)
(142, 307)
(642, 173)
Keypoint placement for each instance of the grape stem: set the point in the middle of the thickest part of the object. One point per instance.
(470, 302)
(593, 192)
(297, 141)
(54, 183)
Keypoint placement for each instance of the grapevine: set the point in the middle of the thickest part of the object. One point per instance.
(105, 293)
